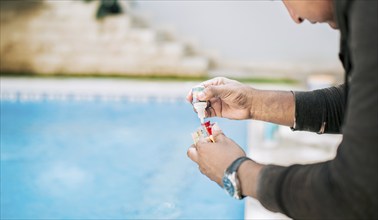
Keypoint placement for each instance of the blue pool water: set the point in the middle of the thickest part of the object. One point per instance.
(107, 160)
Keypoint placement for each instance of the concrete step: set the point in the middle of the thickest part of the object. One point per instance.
(141, 35)
(70, 10)
(172, 49)
(64, 37)
(195, 63)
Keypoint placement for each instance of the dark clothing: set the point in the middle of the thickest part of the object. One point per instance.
(320, 111)
(345, 187)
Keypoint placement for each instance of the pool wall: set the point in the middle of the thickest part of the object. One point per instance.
(104, 149)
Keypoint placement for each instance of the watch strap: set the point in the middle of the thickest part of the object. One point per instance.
(236, 164)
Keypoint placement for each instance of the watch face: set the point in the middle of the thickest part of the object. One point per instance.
(228, 186)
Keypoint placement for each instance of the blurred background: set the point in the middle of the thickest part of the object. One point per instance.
(176, 38)
(93, 119)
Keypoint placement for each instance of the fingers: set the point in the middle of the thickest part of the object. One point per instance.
(202, 170)
(192, 153)
(213, 92)
(211, 82)
(210, 111)
(194, 148)
(216, 81)
(215, 129)
(189, 96)
(218, 134)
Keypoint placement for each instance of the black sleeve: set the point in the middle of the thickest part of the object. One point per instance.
(320, 111)
(345, 187)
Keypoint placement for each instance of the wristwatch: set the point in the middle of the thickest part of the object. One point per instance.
(230, 179)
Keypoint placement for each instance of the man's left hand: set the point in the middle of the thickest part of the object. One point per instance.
(214, 158)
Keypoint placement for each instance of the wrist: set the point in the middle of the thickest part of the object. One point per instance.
(273, 106)
(248, 173)
(254, 95)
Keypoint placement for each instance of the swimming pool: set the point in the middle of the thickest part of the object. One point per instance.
(69, 156)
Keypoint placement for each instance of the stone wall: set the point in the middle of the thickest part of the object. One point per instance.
(64, 37)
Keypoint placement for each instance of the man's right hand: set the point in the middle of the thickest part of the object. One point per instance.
(226, 98)
(231, 99)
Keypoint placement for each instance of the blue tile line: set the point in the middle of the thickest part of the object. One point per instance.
(71, 97)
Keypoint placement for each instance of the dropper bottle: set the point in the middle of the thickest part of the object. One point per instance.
(199, 106)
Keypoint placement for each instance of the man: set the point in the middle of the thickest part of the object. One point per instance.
(342, 188)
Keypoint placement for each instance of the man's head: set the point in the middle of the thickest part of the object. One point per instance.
(312, 10)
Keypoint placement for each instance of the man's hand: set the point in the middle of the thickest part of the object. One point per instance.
(226, 98)
(214, 158)
(231, 99)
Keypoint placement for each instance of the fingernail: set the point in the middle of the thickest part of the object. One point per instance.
(215, 127)
(211, 137)
(188, 95)
(187, 98)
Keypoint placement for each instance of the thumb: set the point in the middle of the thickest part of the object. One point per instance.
(212, 92)
(217, 133)
(192, 153)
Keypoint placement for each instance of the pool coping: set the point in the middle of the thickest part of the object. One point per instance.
(32, 89)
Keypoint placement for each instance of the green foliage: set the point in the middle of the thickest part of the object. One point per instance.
(156, 77)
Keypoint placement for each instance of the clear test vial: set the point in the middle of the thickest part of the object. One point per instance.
(203, 132)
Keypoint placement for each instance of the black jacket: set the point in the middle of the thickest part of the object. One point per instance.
(345, 187)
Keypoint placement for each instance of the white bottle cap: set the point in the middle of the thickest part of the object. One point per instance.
(200, 107)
